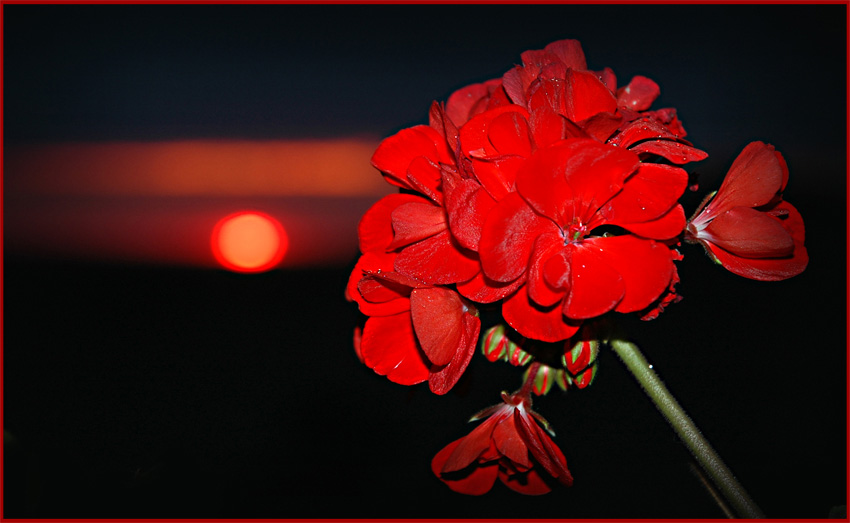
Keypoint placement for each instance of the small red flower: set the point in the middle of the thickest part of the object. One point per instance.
(508, 445)
(747, 227)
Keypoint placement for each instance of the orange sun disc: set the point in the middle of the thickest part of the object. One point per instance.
(249, 241)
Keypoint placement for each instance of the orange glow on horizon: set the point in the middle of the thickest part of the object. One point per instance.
(249, 241)
(230, 168)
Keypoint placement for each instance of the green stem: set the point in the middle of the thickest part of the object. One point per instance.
(686, 429)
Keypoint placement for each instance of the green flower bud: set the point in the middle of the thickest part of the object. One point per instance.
(547, 376)
(581, 355)
(586, 377)
(496, 345)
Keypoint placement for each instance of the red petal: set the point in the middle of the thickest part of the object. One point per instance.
(375, 230)
(482, 289)
(586, 95)
(440, 120)
(498, 97)
(461, 104)
(437, 260)
(651, 192)
(539, 290)
(474, 135)
(495, 170)
(475, 481)
(669, 296)
(467, 205)
(510, 443)
(644, 128)
(596, 287)
(548, 93)
(375, 290)
(389, 348)
(474, 444)
(596, 171)
(439, 461)
(397, 279)
(542, 182)
(749, 233)
(387, 300)
(394, 155)
(442, 380)
(607, 77)
(424, 176)
(540, 323)
(515, 83)
(416, 221)
(645, 266)
(497, 174)
(791, 220)
(548, 126)
(755, 177)
(436, 315)
(602, 125)
(770, 269)
(764, 269)
(509, 134)
(543, 449)
(534, 59)
(639, 94)
(667, 116)
(573, 179)
(508, 236)
(569, 52)
(556, 270)
(675, 152)
(667, 226)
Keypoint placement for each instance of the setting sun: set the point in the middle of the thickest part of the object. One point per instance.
(249, 241)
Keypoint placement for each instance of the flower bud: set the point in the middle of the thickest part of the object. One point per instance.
(581, 355)
(496, 345)
(586, 377)
(545, 377)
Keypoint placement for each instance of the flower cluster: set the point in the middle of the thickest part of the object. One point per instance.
(551, 196)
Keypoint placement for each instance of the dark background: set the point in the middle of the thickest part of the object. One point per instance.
(133, 390)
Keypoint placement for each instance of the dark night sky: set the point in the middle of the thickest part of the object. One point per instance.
(141, 391)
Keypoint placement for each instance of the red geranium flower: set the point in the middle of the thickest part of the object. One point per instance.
(503, 194)
(545, 233)
(747, 227)
(508, 445)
